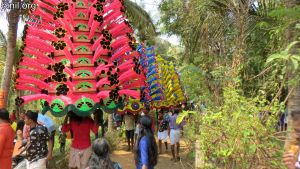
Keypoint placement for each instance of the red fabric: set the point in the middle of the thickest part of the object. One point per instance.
(81, 132)
(6, 145)
(12, 116)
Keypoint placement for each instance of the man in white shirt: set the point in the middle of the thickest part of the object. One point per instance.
(129, 129)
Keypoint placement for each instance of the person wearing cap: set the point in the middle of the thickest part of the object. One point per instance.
(6, 140)
(36, 147)
(146, 148)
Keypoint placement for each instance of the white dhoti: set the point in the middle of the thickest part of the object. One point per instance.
(39, 164)
(163, 136)
(174, 136)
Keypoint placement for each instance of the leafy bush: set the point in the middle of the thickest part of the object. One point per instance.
(240, 134)
(60, 160)
(113, 139)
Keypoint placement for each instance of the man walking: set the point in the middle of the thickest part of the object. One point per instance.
(36, 147)
(175, 135)
(162, 133)
(129, 127)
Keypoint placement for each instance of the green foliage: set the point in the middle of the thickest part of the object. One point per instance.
(285, 65)
(238, 134)
(2, 51)
(60, 160)
(183, 115)
(140, 20)
(113, 138)
(3, 41)
(286, 56)
(227, 41)
(286, 13)
(237, 62)
(195, 90)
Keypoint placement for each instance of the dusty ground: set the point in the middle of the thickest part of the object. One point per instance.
(126, 158)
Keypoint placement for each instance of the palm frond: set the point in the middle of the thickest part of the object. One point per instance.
(140, 20)
(3, 41)
(18, 54)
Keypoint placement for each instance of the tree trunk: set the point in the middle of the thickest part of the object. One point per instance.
(293, 105)
(294, 98)
(110, 123)
(199, 156)
(241, 15)
(13, 19)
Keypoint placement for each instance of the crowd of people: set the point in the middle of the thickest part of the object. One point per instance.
(167, 131)
(30, 138)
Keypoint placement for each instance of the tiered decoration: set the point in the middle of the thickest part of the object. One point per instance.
(80, 55)
(162, 88)
(153, 90)
(174, 94)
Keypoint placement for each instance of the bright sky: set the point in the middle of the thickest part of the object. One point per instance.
(151, 6)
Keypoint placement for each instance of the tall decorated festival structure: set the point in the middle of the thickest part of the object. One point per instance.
(79, 55)
(162, 88)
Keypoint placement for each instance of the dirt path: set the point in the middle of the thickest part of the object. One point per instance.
(126, 158)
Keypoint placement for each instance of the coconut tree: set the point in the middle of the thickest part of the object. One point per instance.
(140, 20)
(13, 19)
(3, 44)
